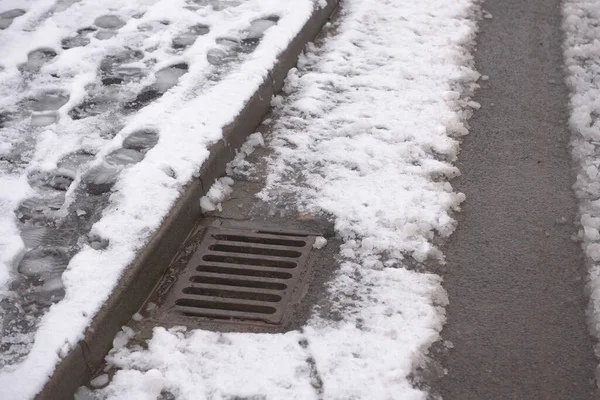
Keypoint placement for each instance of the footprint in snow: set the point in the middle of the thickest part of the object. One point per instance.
(36, 59)
(188, 38)
(7, 17)
(80, 40)
(108, 25)
(166, 78)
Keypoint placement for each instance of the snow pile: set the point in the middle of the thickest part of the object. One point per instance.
(218, 192)
(366, 133)
(582, 52)
(104, 117)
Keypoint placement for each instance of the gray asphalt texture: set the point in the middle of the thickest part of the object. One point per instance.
(515, 277)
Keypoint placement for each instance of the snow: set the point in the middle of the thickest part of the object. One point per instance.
(189, 364)
(369, 156)
(320, 242)
(580, 51)
(258, 28)
(122, 337)
(218, 192)
(86, 106)
(366, 133)
(239, 163)
(100, 381)
(137, 317)
(473, 104)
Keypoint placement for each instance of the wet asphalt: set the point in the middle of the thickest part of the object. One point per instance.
(515, 277)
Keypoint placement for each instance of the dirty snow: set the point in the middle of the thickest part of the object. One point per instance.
(582, 48)
(106, 111)
(366, 133)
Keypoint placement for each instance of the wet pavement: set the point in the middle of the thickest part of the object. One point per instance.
(515, 279)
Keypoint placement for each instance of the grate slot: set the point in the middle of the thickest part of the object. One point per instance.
(291, 234)
(250, 260)
(222, 304)
(225, 315)
(234, 289)
(246, 271)
(260, 240)
(259, 246)
(231, 294)
(265, 251)
(226, 281)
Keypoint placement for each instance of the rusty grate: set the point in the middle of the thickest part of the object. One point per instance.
(243, 275)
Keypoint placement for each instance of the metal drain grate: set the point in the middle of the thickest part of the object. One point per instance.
(243, 275)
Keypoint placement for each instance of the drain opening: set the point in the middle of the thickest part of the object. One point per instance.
(249, 261)
(284, 233)
(261, 240)
(255, 250)
(218, 305)
(241, 275)
(258, 296)
(244, 272)
(239, 283)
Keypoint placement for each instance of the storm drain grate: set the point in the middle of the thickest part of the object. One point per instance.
(243, 275)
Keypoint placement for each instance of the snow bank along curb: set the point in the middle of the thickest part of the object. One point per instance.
(139, 277)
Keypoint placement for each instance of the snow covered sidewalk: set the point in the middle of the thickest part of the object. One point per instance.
(107, 110)
(366, 134)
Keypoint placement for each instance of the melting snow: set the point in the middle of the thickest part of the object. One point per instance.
(366, 134)
(130, 115)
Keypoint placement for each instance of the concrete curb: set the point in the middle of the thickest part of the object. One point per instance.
(141, 275)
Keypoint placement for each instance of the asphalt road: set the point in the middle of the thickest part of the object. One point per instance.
(515, 277)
